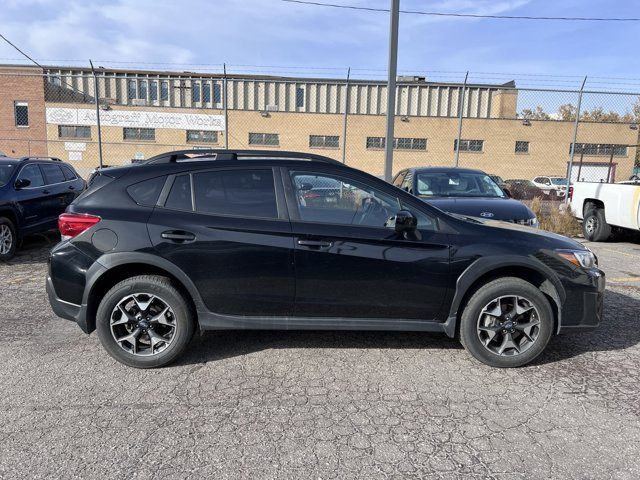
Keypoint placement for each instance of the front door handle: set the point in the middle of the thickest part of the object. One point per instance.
(178, 236)
(315, 243)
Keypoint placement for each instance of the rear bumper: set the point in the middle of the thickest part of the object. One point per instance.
(584, 308)
(66, 310)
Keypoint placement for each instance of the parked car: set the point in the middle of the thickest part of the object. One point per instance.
(552, 187)
(152, 253)
(522, 189)
(603, 207)
(464, 191)
(33, 192)
(498, 179)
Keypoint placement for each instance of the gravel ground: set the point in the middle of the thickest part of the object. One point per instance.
(316, 404)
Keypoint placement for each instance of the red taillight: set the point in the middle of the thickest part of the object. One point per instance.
(73, 224)
(311, 195)
(571, 192)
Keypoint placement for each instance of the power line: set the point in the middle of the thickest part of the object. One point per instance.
(468, 15)
(20, 51)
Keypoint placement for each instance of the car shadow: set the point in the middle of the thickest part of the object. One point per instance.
(618, 331)
(34, 248)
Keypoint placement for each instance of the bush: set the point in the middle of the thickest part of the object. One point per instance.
(555, 218)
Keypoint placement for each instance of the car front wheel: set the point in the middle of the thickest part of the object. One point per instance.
(8, 239)
(144, 322)
(506, 323)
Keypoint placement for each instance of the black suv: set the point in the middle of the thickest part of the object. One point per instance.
(33, 192)
(227, 239)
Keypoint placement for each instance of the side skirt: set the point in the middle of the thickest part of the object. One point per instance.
(215, 321)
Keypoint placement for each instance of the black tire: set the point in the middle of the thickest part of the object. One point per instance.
(595, 227)
(484, 296)
(182, 316)
(7, 233)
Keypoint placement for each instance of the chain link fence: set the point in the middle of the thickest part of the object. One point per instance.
(530, 139)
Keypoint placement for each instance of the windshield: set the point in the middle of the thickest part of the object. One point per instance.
(558, 181)
(457, 184)
(6, 169)
(528, 183)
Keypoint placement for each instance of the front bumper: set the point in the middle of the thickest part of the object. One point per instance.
(584, 307)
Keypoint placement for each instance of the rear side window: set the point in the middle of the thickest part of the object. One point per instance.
(33, 174)
(180, 195)
(146, 192)
(52, 173)
(69, 174)
(243, 193)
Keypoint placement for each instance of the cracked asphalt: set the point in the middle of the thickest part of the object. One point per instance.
(316, 404)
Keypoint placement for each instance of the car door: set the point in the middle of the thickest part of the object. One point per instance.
(228, 230)
(57, 189)
(32, 200)
(349, 264)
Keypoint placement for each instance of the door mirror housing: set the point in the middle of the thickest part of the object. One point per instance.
(22, 183)
(405, 222)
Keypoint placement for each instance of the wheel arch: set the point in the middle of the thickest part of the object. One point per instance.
(118, 267)
(591, 203)
(485, 270)
(12, 216)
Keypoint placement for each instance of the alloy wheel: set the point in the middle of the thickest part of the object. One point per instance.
(143, 324)
(591, 224)
(6, 239)
(508, 325)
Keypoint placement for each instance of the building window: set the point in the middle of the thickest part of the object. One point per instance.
(147, 134)
(522, 146)
(164, 90)
(142, 90)
(131, 89)
(299, 97)
(270, 139)
(153, 90)
(55, 80)
(21, 111)
(324, 141)
(469, 145)
(74, 131)
(206, 93)
(201, 136)
(601, 149)
(217, 96)
(398, 143)
(195, 92)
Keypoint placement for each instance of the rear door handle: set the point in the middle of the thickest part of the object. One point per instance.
(178, 236)
(315, 243)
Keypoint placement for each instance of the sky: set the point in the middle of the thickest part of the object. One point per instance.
(260, 36)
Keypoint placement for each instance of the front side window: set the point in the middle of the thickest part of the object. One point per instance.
(326, 198)
(241, 193)
(6, 170)
(33, 174)
(21, 111)
(269, 139)
(74, 131)
(133, 133)
(52, 174)
(202, 136)
(457, 184)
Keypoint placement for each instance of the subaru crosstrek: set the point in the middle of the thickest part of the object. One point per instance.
(223, 239)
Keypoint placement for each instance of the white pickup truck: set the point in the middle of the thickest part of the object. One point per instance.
(603, 206)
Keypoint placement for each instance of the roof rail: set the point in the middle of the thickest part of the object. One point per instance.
(53, 159)
(222, 154)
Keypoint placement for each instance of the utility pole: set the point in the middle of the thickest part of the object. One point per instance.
(391, 88)
(461, 101)
(97, 102)
(575, 137)
(346, 115)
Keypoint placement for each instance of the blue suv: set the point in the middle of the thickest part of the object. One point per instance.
(34, 191)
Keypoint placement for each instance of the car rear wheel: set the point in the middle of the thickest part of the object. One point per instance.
(507, 323)
(144, 322)
(8, 239)
(595, 227)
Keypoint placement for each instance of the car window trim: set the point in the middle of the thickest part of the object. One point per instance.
(44, 175)
(44, 180)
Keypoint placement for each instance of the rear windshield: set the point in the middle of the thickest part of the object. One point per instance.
(6, 170)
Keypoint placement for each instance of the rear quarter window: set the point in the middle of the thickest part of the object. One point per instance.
(146, 192)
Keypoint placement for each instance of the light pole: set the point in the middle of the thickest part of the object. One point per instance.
(391, 88)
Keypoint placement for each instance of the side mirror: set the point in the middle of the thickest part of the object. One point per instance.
(405, 222)
(507, 192)
(22, 183)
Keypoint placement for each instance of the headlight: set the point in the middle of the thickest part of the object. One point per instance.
(580, 258)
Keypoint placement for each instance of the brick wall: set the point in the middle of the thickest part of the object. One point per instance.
(22, 84)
